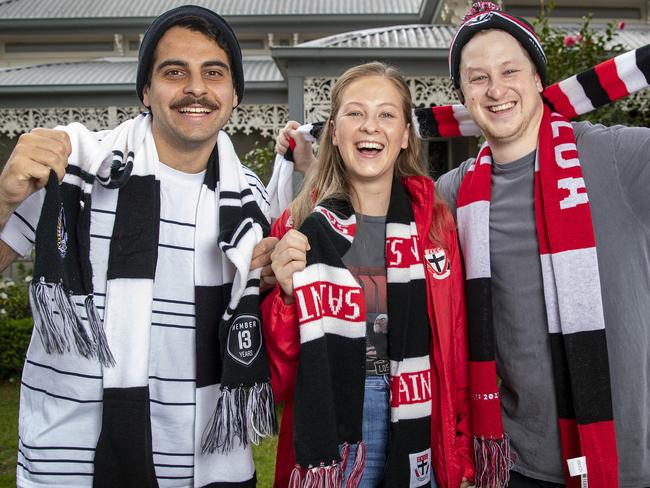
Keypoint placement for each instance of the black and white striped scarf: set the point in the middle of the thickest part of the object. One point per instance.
(331, 372)
(234, 403)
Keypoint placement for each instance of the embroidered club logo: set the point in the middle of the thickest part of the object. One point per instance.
(61, 234)
(420, 463)
(244, 339)
(438, 263)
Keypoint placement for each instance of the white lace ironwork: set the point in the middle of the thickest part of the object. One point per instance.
(426, 91)
(265, 119)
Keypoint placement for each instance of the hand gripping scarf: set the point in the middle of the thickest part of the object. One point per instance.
(229, 224)
(573, 305)
(586, 424)
(331, 373)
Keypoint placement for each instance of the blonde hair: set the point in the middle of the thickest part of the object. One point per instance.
(327, 177)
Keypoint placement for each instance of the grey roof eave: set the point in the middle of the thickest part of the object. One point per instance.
(238, 21)
(68, 89)
(293, 53)
(264, 85)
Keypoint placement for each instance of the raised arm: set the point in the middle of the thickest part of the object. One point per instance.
(26, 171)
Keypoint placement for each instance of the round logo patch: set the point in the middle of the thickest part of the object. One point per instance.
(437, 262)
(244, 339)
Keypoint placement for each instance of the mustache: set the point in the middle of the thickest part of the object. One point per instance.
(190, 100)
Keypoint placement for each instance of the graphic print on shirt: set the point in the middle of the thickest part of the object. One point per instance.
(372, 280)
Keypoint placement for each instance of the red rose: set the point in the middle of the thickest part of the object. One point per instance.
(569, 41)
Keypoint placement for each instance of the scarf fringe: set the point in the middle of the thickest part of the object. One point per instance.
(244, 413)
(103, 352)
(72, 323)
(58, 334)
(358, 467)
(321, 477)
(260, 412)
(493, 460)
(331, 476)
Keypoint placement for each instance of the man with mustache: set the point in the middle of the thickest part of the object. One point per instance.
(149, 240)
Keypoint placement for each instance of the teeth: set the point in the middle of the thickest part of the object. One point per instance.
(195, 110)
(503, 106)
(369, 145)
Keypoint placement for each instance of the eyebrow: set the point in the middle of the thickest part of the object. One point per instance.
(353, 102)
(185, 64)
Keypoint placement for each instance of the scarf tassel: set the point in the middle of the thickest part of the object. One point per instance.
(332, 476)
(104, 354)
(493, 460)
(260, 412)
(244, 413)
(321, 477)
(357, 468)
(56, 337)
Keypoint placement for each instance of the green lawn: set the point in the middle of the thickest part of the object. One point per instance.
(264, 453)
(8, 433)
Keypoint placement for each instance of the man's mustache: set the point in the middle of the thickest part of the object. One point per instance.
(190, 100)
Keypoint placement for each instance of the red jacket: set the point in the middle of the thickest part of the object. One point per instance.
(451, 447)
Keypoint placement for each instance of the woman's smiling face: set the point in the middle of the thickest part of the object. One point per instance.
(370, 130)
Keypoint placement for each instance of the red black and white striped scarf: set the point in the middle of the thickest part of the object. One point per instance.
(331, 373)
(609, 81)
(573, 305)
(594, 438)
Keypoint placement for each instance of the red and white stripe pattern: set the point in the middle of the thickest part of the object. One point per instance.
(410, 388)
(610, 80)
(332, 320)
(331, 306)
(607, 82)
(572, 293)
(403, 260)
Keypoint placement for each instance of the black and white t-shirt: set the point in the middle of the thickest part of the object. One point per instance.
(61, 395)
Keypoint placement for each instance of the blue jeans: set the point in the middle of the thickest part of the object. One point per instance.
(375, 432)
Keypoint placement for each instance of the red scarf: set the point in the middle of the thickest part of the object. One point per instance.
(573, 304)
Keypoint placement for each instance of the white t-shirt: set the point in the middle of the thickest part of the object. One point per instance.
(60, 401)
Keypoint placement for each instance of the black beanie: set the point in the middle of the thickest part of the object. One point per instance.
(163, 22)
(487, 15)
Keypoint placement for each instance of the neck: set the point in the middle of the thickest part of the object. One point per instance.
(508, 150)
(188, 158)
(371, 199)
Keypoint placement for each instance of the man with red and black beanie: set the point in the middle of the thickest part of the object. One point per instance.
(554, 224)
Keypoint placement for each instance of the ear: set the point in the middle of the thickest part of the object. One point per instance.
(538, 83)
(335, 141)
(145, 96)
(459, 94)
(235, 98)
(405, 136)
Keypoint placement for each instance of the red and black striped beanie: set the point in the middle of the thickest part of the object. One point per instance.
(487, 15)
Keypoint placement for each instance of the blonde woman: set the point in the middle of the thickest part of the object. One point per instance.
(366, 327)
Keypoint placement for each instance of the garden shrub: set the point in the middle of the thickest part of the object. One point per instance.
(14, 340)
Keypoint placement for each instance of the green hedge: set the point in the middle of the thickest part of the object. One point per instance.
(14, 340)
